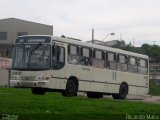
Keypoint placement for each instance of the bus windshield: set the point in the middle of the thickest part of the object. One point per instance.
(31, 57)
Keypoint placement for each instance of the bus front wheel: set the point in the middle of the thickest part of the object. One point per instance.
(123, 91)
(71, 89)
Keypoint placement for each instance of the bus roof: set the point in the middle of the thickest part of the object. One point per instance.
(86, 44)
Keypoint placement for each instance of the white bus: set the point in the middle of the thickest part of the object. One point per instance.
(48, 63)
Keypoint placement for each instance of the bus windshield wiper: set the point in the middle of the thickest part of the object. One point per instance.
(36, 47)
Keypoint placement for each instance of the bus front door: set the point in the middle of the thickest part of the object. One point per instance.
(58, 67)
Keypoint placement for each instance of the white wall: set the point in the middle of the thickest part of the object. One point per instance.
(4, 77)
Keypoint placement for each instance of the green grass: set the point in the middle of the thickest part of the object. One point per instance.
(153, 88)
(52, 105)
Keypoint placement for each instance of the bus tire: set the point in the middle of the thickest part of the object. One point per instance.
(71, 89)
(38, 91)
(123, 91)
(94, 95)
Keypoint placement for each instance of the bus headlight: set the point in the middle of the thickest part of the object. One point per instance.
(42, 78)
(13, 77)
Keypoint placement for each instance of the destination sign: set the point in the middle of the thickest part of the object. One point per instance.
(34, 39)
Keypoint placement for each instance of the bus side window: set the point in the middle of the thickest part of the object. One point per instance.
(111, 61)
(73, 54)
(132, 65)
(143, 66)
(121, 62)
(58, 57)
(61, 55)
(98, 59)
(86, 56)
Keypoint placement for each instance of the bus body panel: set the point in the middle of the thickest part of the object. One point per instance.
(83, 75)
(90, 79)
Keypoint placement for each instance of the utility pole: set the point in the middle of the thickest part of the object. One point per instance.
(92, 35)
(121, 37)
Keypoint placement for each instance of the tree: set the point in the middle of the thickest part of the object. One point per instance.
(146, 48)
(128, 47)
(120, 45)
(155, 51)
(150, 50)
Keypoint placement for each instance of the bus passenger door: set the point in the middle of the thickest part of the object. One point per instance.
(58, 66)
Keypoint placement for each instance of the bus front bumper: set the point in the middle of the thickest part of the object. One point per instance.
(29, 84)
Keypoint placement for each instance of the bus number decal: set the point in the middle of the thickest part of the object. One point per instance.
(83, 68)
(16, 73)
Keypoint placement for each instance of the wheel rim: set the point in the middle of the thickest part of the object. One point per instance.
(70, 88)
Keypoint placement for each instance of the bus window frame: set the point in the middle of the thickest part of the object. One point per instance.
(140, 67)
(71, 56)
(56, 57)
(131, 65)
(109, 62)
(121, 65)
(89, 57)
(102, 66)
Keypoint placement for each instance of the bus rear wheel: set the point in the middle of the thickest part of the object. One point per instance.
(38, 91)
(71, 89)
(123, 91)
(94, 95)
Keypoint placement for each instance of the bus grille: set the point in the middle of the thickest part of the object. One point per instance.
(30, 78)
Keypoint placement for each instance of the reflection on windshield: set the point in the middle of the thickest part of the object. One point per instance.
(31, 57)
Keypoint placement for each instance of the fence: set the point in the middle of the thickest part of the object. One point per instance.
(5, 65)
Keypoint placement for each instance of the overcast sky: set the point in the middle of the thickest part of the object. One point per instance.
(137, 20)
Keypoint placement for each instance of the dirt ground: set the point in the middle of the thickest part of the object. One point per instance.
(146, 98)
